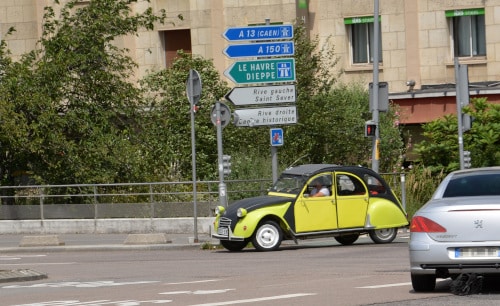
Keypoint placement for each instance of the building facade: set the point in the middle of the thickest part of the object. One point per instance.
(419, 40)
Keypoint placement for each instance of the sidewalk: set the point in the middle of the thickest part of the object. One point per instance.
(12, 244)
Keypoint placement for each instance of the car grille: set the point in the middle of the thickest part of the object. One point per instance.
(225, 222)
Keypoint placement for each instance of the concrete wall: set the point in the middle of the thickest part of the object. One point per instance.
(106, 226)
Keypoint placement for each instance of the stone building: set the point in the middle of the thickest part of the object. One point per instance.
(419, 40)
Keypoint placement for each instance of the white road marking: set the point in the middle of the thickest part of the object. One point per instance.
(97, 303)
(19, 257)
(42, 264)
(384, 286)
(194, 282)
(79, 284)
(262, 299)
(391, 285)
(199, 292)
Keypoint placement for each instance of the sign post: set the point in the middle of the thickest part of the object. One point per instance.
(193, 91)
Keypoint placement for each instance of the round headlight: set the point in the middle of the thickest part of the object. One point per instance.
(241, 212)
(219, 210)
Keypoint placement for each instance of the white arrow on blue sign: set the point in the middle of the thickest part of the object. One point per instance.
(267, 32)
(260, 49)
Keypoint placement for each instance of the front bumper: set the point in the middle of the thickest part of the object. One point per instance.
(222, 231)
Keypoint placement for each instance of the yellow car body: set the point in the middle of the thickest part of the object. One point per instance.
(359, 202)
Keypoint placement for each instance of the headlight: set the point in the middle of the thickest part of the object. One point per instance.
(241, 212)
(219, 210)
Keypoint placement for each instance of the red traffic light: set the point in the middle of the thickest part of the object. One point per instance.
(370, 129)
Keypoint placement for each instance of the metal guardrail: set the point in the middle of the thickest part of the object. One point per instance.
(124, 200)
(133, 200)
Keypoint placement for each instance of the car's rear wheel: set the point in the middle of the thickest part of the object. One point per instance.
(267, 236)
(423, 282)
(384, 235)
(233, 246)
(347, 239)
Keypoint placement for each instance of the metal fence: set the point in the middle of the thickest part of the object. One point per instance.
(133, 200)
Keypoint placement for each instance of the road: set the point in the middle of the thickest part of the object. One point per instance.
(318, 272)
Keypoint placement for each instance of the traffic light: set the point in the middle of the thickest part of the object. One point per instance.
(467, 160)
(370, 128)
(226, 164)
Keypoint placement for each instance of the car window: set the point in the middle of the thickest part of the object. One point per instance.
(325, 179)
(349, 185)
(375, 186)
(473, 186)
(289, 184)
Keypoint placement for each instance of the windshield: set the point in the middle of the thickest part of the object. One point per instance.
(289, 184)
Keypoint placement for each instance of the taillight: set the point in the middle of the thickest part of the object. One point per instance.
(425, 225)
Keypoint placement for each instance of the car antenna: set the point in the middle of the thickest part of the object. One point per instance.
(292, 164)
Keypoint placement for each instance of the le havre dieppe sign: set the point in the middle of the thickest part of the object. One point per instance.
(262, 71)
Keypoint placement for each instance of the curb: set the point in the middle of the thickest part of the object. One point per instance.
(20, 275)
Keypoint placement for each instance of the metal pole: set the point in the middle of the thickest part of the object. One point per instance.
(274, 162)
(459, 113)
(193, 160)
(375, 112)
(274, 150)
(222, 185)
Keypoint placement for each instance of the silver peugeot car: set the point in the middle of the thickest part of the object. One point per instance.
(458, 230)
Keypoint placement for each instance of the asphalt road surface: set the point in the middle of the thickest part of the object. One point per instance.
(317, 272)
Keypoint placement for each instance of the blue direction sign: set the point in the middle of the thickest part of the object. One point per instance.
(260, 49)
(262, 71)
(268, 32)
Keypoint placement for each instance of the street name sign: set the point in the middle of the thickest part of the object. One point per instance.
(262, 95)
(283, 48)
(255, 33)
(266, 116)
(262, 71)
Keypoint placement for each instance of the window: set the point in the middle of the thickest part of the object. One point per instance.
(349, 185)
(361, 38)
(175, 40)
(468, 32)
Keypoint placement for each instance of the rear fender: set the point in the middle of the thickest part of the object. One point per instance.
(383, 213)
(248, 224)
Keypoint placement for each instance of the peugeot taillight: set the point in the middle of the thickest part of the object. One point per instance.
(425, 225)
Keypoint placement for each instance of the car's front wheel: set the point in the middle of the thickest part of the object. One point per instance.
(267, 236)
(233, 245)
(347, 239)
(384, 235)
(423, 282)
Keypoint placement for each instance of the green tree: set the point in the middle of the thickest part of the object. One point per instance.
(439, 150)
(72, 100)
(167, 124)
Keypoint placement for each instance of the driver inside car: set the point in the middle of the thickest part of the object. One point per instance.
(319, 189)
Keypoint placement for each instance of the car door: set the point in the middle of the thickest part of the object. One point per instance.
(352, 200)
(316, 213)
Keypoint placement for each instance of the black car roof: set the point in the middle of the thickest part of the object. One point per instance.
(311, 169)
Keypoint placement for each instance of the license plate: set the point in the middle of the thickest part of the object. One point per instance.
(477, 252)
(223, 231)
